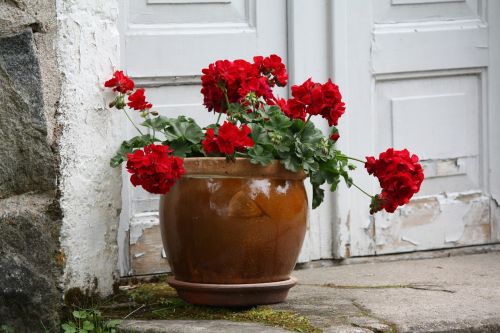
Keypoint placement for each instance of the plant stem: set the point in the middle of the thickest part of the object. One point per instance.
(218, 118)
(305, 124)
(224, 90)
(359, 188)
(133, 124)
(131, 313)
(350, 158)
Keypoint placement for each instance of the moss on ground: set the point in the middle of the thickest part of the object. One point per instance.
(157, 300)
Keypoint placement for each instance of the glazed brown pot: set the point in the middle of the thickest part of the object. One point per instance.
(233, 228)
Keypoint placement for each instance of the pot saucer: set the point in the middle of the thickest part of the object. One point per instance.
(238, 295)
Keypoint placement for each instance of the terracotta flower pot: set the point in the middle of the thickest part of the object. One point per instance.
(233, 231)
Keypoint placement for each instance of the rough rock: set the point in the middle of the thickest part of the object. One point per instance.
(30, 218)
(26, 160)
(29, 227)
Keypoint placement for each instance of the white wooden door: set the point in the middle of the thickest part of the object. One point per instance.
(165, 45)
(422, 75)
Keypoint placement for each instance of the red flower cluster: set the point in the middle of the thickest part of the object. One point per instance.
(316, 99)
(154, 169)
(120, 82)
(137, 100)
(273, 69)
(123, 84)
(229, 139)
(235, 79)
(400, 176)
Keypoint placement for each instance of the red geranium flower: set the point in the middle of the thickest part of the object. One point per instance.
(229, 139)
(235, 79)
(120, 82)
(210, 142)
(292, 109)
(334, 137)
(154, 168)
(317, 99)
(400, 176)
(273, 69)
(137, 100)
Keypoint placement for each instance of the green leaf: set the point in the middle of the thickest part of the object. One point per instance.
(128, 147)
(311, 135)
(292, 163)
(297, 125)
(183, 128)
(88, 326)
(318, 196)
(6, 329)
(334, 185)
(69, 328)
(234, 110)
(259, 155)
(113, 323)
(80, 314)
(259, 135)
(181, 148)
(158, 123)
(278, 120)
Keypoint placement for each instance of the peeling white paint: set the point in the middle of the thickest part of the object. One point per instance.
(88, 51)
(444, 220)
(406, 239)
(141, 222)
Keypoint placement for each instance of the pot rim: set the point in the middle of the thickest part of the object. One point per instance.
(239, 168)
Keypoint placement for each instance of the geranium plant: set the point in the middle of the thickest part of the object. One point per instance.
(251, 122)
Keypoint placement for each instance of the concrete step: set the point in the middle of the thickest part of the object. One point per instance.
(190, 326)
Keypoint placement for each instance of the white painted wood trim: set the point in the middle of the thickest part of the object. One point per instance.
(416, 2)
(494, 98)
(308, 56)
(493, 102)
(339, 71)
(351, 49)
(449, 44)
(122, 237)
(184, 2)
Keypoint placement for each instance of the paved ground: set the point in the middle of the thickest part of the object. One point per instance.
(454, 294)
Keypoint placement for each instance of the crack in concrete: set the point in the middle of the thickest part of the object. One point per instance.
(415, 286)
(382, 325)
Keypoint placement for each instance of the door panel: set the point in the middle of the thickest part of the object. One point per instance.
(165, 45)
(420, 83)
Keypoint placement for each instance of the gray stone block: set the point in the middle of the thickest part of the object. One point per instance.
(26, 160)
(29, 297)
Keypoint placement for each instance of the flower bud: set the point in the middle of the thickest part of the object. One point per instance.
(120, 102)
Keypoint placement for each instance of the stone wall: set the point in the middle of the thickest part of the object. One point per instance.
(30, 219)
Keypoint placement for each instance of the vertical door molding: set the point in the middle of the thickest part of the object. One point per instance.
(309, 56)
(494, 115)
(122, 237)
(351, 58)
